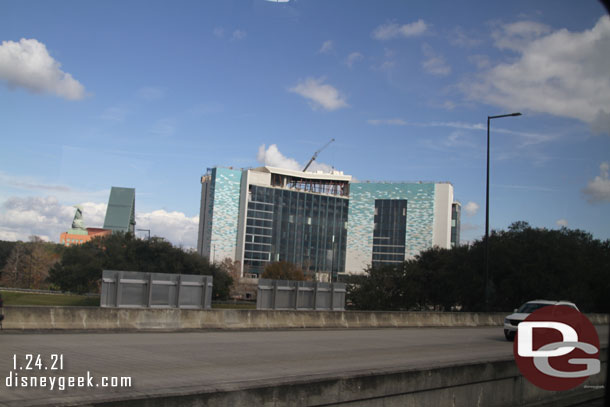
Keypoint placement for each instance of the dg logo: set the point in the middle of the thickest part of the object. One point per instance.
(557, 348)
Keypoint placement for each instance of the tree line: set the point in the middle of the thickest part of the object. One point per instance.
(525, 264)
(27, 264)
(78, 268)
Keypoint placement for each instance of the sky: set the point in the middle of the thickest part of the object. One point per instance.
(149, 94)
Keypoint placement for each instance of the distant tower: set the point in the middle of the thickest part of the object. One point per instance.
(121, 211)
(78, 223)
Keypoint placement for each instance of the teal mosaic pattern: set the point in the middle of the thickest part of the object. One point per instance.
(420, 219)
(224, 212)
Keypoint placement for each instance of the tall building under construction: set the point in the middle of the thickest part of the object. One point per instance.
(324, 223)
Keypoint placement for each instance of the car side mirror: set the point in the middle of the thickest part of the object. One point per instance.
(516, 309)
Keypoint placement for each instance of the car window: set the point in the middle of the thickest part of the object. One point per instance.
(530, 307)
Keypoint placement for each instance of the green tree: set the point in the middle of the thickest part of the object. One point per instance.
(387, 288)
(5, 251)
(528, 263)
(525, 263)
(81, 266)
(80, 269)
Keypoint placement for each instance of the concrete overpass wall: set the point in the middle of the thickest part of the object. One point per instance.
(490, 383)
(95, 318)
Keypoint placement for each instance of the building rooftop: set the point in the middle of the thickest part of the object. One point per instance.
(335, 176)
(398, 182)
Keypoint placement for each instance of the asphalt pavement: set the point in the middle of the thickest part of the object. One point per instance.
(172, 363)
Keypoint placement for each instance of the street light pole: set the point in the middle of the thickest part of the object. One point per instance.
(489, 118)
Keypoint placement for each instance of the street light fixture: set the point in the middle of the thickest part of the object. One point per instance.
(489, 118)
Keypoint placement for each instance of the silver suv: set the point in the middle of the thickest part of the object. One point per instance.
(512, 321)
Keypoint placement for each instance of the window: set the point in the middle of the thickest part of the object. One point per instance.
(306, 229)
(389, 231)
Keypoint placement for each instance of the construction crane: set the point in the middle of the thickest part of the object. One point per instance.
(315, 155)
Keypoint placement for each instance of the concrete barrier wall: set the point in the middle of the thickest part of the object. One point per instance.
(491, 383)
(96, 318)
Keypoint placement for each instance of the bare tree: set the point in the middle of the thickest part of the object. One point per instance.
(283, 270)
(28, 264)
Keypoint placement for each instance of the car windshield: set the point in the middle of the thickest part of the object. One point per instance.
(530, 307)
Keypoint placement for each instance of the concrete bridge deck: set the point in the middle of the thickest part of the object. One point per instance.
(198, 368)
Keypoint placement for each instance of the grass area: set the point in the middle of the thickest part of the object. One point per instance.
(20, 298)
(234, 306)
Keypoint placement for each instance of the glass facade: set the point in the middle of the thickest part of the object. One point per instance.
(389, 232)
(455, 224)
(306, 229)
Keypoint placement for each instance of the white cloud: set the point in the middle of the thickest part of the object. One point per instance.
(388, 63)
(327, 47)
(30, 183)
(527, 138)
(434, 63)
(598, 189)
(449, 105)
(393, 30)
(318, 166)
(44, 186)
(115, 114)
(460, 38)
(389, 122)
(11, 235)
(46, 217)
(562, 73)
(517, 36)
(459, 139)
(320, 94)
(471, 208)
(176, 227)
(601, 123)
(353, 58)
(562, 223)
(480, 61)
(272, 157)
(385, 66)
(238, 35)
(27, 64)
(21, 218)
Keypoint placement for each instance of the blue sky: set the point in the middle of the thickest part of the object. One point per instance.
(149, 94)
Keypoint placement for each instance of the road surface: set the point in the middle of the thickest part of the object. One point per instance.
(168, 363)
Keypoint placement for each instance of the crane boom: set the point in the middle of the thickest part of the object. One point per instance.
(315, 155)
